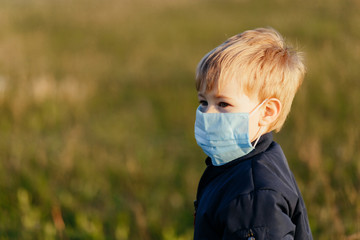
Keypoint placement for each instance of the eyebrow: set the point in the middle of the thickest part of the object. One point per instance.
(201, 95)
(221, 96)
(216, 96)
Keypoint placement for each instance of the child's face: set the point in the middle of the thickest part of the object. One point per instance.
(229, 99)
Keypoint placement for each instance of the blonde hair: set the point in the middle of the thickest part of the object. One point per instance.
(260, 62)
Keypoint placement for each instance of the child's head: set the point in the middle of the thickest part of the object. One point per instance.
(262, 65)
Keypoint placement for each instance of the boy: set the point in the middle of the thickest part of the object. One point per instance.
(245, 89)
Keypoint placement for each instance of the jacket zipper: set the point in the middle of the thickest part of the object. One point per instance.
(250, 235)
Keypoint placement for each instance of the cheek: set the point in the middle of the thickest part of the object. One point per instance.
(253, 128)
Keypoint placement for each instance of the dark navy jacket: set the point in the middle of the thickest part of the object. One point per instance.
(253, 196)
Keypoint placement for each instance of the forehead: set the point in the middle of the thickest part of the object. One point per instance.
(219, 84)
(229, 88)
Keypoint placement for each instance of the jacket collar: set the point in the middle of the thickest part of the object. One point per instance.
(212, 171)
(263, 143)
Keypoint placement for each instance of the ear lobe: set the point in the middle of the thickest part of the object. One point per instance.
(270, 112)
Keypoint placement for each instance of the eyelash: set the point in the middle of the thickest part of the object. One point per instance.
(221, 104)
(203, 103)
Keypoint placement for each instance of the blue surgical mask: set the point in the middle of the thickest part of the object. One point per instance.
(224, 136)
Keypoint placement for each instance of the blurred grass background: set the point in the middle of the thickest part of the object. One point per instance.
(97, 106)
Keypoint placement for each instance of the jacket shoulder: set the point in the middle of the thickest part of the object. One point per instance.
(270, 170)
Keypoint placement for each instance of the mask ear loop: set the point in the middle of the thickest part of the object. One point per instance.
(260, 129)
(257, 140)
(257, 108)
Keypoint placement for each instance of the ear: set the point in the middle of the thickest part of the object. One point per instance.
(270, 112)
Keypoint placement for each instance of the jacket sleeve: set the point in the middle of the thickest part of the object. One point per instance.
(262, 214)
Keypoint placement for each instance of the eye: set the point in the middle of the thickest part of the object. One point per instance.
(203, 103)
(223, 104)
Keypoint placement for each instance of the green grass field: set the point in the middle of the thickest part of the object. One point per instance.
(97, 106)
